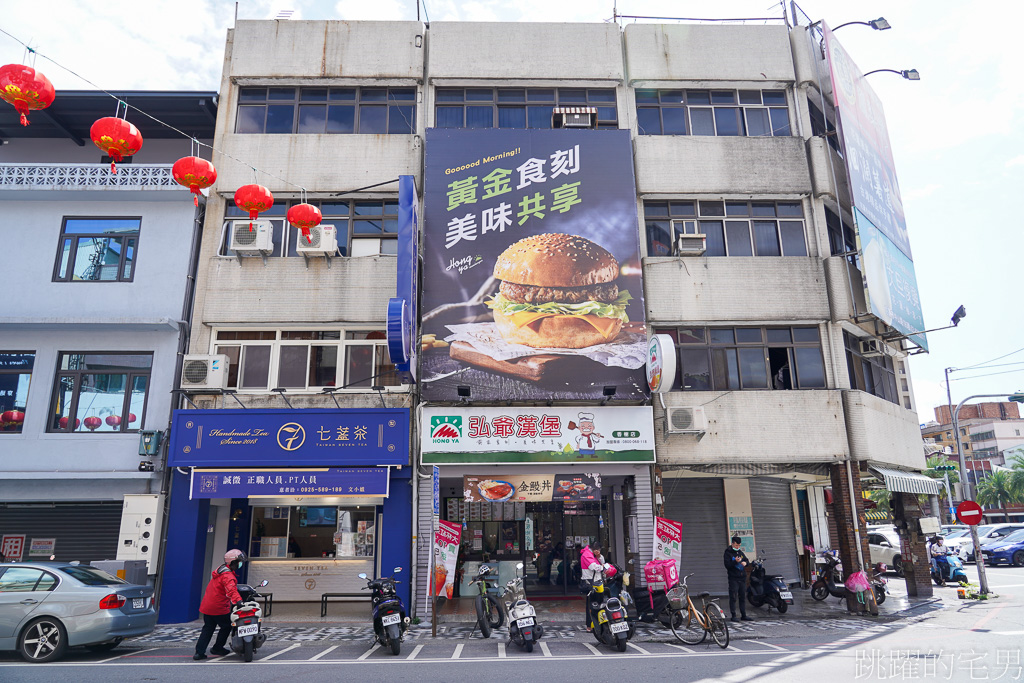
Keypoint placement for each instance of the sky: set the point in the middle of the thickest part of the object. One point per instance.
(957, 134)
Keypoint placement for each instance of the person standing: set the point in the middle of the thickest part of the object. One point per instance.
(736, 566)
(221, 593)
(591, 570)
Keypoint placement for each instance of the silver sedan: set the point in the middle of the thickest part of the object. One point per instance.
(47, 607)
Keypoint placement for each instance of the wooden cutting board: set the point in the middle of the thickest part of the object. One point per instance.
(530, 368)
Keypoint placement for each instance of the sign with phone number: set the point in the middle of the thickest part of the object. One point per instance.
(256, 483)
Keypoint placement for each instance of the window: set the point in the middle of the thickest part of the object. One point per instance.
(367, 227)
(518, 107)
(731, 228)
(841, 238)
(15, 373)
(97, 249)
(876, 376)
(92, 577)
(984, 436)
(712, 112)
(301, 360)
(100, 392)
(364, 110)
(823, 127)
(26, 579)
(730, 358)
(311, 531)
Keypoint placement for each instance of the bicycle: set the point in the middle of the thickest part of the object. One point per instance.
(691, 625)
(489, 614)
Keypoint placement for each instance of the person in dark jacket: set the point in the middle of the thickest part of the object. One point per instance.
(221, 593)
(736, 565)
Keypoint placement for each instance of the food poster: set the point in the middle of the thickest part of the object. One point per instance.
(532, 487)
(532, 282)
(668, 540)
(574, 487)
(446, 551)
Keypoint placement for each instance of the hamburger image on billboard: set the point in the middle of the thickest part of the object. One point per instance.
(531, 266)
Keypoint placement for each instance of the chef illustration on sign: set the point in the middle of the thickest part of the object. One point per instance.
(588, 437)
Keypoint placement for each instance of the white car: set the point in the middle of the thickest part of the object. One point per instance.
(884, 543)
(956, 539)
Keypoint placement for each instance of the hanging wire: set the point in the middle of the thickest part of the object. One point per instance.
(146, 114)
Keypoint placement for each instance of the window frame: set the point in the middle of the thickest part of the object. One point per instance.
(691, 101)
(885, 370)
(35, 587)
(5, 371)
(672, 212)
(74, 238)
(380, 357)
(358, 102)
(130, 376)
(532, 97)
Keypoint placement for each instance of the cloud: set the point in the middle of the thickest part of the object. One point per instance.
(916, 193)
(1016, 161)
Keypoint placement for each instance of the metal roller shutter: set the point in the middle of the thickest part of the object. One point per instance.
(774, 527)
(84, 531)
(700, 505)
(642, 505)
(424, 543)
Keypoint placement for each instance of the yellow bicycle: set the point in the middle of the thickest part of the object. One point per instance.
(691, 625)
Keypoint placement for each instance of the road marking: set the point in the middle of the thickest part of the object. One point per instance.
(775, 647)
(501, 651)
(367, 653)
(332, 648)
(458, 651)
(415, 651)
(544, 649)
(638, 649)
(734, 648)
(593, 649)
(126, 654)
(1008, 633)
(680, 647)
(985, 619)
(279, 652)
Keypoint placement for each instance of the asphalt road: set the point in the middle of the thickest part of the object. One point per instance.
(971, 640)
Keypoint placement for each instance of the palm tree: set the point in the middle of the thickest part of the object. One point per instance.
(1017, 476)
(997, 490)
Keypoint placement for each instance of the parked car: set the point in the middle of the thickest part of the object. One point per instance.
(986, 533)
(1008, 549)
(954, 539)
(947, 529)
(884, 543)
(47, 607)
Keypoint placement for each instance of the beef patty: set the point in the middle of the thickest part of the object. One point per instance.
(528, 294)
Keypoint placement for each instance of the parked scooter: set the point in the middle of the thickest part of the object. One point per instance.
(948, 568)
(768, 590)
(878, 582)
(829, 580)
(612, 625)
(523, 628)
(389, 620)
(246, 620)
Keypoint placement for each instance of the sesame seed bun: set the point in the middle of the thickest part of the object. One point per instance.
(556, 260)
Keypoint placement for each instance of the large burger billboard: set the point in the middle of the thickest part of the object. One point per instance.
(531, 266)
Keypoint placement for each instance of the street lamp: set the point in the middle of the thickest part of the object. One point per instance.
(958, 315)
(879, 24)
(909, 74)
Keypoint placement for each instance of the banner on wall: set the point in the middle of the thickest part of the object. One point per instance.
(532, 283)
(668, 540)
(447, 538)
(531, 487)
(743, 527)
(12, 547)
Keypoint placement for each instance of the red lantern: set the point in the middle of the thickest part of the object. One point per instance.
(253, 198)
(14, 416)
(194, 173)
(304, 217)
(63, 422)
(131, 418)
(113, 421)
(25, 88)
(93, 423)
(117, 138)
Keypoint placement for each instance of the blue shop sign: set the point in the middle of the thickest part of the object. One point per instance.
(289, 438)
(266, 483)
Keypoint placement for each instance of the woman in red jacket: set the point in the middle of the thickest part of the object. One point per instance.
(221, 594)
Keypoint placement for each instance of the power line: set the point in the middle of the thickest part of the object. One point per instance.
(989, 361)
(991, 374)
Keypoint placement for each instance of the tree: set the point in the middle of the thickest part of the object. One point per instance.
(1017, 477)
(997, 490)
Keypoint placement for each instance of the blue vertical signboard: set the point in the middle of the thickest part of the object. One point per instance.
(402, 308)
(437, 490)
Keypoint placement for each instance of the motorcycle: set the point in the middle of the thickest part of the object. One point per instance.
(829, 581)
(389, 620)
(878, 583)
(523, 628)
(948, 568)
(767, 590)
(612, 625)
(246, 620)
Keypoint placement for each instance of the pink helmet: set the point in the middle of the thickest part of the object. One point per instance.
(234, 559)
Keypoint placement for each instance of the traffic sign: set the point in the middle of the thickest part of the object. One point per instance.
(969, 512)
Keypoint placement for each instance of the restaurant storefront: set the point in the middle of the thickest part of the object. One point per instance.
(314, 497)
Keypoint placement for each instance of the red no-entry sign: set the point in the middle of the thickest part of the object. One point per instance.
(969, 512)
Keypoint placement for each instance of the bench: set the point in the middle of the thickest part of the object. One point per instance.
(349, 596)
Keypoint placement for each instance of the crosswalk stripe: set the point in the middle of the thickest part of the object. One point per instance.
(458, 651)
(415, 651)
(126, 654)
(501, 651)
(367, 653)
(544, 649)
(592, 648)
(680, 647)
(639, 649)
(279, 652)
(318, 656)
(774, 647)
(734, 648)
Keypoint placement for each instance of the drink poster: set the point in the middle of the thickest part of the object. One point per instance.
(446, 551)
(668, 540)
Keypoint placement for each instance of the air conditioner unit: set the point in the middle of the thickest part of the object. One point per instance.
(257, 240)
(204, 372)
(872, 348)
(690, 241)
(688, 420)
(323, 241)
(574, 117)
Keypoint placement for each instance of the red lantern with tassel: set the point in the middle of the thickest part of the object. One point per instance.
(253, 198)
(116, 137)
(304, 217)
(194, 173)
(25, 89)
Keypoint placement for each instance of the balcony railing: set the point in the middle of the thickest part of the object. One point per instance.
(86, 177)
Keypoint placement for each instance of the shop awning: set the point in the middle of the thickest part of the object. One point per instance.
(876, 515)
(906, 482)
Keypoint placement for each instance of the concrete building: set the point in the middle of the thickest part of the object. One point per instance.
(786, 387)
(91, 333)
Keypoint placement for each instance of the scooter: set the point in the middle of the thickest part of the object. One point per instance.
(523, 628)
(389, 620)
(246, 620)
(612, 624)
(828, 582)
(767, 590)
(878, 583)
(948, 568)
